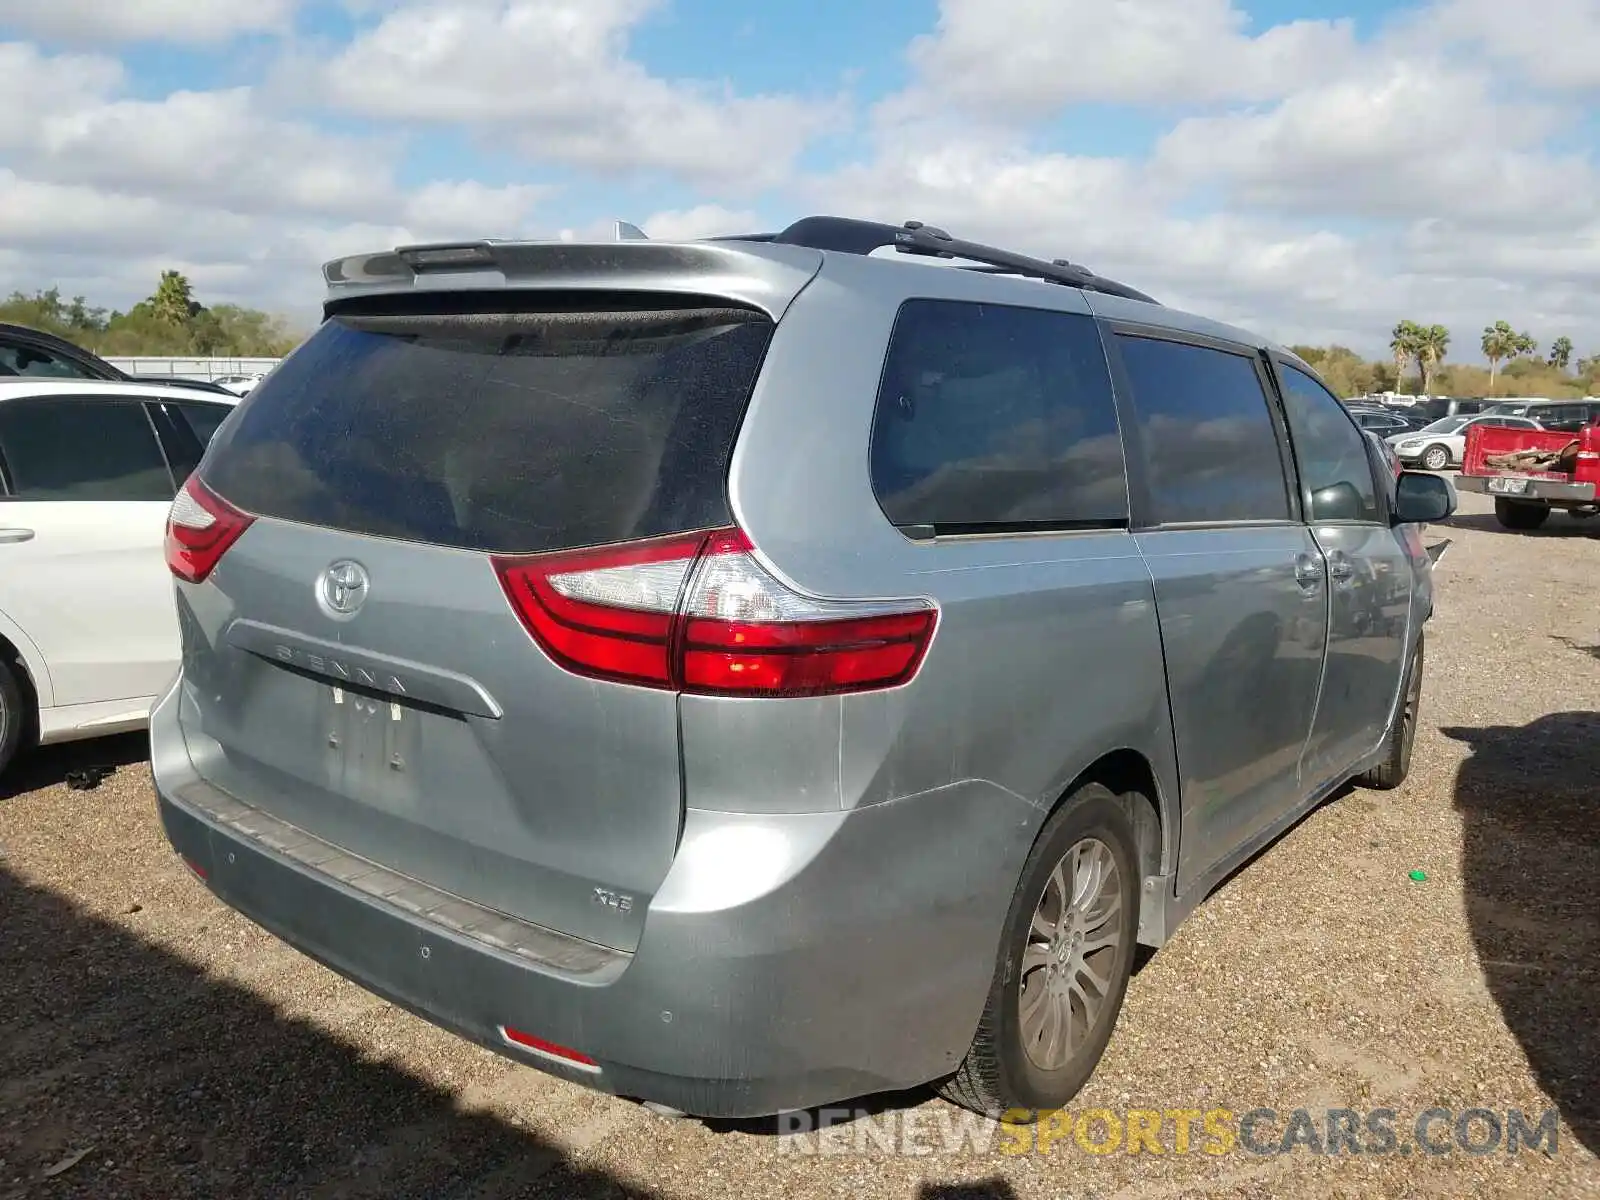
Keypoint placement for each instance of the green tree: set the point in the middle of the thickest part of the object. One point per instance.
(1403, 345)
(1500, 342)
(173, 300)
(169, 321)
(1432, 344)
(1561, 353)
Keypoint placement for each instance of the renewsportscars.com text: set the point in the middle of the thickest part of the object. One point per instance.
(1212, 1132)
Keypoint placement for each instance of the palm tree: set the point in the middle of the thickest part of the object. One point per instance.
(173, 301)
(1561, 353)
(1500, 342)
(1433, 343)
(1403, 344)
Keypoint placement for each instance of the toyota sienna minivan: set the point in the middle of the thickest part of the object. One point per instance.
(750, 673)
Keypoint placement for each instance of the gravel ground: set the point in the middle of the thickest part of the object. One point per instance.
(154, 1044)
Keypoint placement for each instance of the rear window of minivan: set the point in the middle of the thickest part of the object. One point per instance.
(498, 431)
(997, 418)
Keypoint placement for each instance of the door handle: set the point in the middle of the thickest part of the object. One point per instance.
(1340, 567)
(15, 535)
(1308, 571)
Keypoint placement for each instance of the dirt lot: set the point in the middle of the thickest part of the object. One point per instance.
(180, 1051)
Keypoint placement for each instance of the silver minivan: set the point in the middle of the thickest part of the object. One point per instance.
(750, 673)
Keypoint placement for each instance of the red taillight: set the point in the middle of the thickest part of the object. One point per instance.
(200, 528)
(700, 614)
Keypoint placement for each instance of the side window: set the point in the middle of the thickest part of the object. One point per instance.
(1566, 418)
(1208, 432)
(990, 416)
(204, 418)
(35, 363)
(1334, 465)
(66, 448)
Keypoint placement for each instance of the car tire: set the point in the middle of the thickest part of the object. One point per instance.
(1436, 458)
(1013, 1070)
(1402, 735)
(1515, 514)
(13, 714)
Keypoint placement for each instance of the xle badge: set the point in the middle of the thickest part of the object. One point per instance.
(619, 902)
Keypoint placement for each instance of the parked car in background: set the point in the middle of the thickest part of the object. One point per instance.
(239, 385)
(28, 353)
(1439, 446)
(1424, 410)
(202, 385)
(574, 716)
(88, 628)
(1380, 421)
(1561, 416)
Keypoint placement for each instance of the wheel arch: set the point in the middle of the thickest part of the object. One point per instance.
(1153, 810)
(26, 674)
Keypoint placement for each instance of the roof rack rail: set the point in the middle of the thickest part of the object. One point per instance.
(851, 236)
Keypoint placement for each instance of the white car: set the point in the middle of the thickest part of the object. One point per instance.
(1443, 443)
(239, 385)
(88, 624)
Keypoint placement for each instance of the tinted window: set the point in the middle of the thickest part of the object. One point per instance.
(65, 448)
(993, 416)
(1560, 417)
(37, 363)
(1208, 432)
(203, 419)
(1335, 464)
(520, 431)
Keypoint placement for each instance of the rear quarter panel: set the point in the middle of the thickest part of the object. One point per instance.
(1047, 653)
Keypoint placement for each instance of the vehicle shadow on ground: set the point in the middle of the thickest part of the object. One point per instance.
(986, 1189)
(180, 1085)
(1530, 798)
(46, 766)
(1558, 525)
(1572, 644)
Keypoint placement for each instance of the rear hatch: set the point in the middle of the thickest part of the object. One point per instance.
(354, 663)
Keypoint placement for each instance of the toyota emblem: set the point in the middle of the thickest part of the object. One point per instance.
(343, 588)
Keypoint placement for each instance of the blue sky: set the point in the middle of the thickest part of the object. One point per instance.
(1313, 168)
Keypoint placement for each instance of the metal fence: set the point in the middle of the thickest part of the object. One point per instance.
(193, 368)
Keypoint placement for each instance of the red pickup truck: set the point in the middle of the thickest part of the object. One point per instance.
(1529, 472)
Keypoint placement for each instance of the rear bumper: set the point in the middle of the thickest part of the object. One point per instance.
(1548, 490)
(786, 961)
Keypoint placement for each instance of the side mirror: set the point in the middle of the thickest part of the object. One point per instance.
(1421, 498)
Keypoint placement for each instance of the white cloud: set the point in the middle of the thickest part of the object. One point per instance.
(705, 220)
(1105, 213)
(551, 79)
(71, 81)
(1556, 42)
(1310, 184)
(469, 209)
(188, 21)
(1028, 58)
(1405, 137)
(217, 145)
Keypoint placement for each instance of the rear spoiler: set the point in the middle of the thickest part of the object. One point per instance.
(761, 276)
